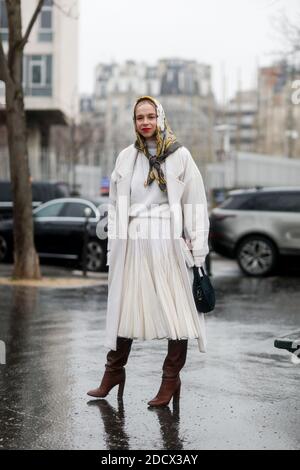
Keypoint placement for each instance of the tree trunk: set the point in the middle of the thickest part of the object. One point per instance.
(26, 261)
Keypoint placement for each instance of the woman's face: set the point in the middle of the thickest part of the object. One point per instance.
(145, 119)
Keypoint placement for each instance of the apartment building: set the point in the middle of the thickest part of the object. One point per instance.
(182, 86)
(278, 116)
(50, 80)
(240, 115)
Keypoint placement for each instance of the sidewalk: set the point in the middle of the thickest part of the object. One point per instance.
(55, 277)
(58, 276)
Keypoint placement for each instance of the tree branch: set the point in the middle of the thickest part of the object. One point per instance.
(288, 32)
(67, 13)
(31, 23)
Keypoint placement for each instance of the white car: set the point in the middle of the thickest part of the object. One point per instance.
(256, 227)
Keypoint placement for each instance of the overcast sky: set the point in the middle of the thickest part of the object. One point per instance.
(230, 35)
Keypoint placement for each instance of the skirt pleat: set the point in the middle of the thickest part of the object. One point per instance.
(154, 299)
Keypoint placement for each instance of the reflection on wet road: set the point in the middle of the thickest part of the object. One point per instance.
(243, 393)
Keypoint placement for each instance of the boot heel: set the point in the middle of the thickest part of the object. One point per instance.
(176, 395)
(121, 389)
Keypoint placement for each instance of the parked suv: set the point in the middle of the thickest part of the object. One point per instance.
(256, 226)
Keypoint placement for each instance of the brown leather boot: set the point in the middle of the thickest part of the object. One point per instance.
(114, 370)
(171, 384)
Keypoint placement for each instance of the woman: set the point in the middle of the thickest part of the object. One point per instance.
(159, 211)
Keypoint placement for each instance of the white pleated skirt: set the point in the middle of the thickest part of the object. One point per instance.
(154, 299)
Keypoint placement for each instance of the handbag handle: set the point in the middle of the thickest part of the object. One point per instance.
(196, 271)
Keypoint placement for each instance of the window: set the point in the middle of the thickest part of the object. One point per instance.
(76, 209)
(239, 202)
(3, 21)
(5, 191)
(53, 210)
(278, 202)
(289, 202)
(170, 75)
(37, 76)
(103, 90)
(37, 72)
(46, 19)
(265, 202)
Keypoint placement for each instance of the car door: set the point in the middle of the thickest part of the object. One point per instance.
(73, 215)
(281, 218)
(48, 228)
(289, 223)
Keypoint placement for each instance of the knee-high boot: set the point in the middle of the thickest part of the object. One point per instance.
(171, 384)
(114, 370)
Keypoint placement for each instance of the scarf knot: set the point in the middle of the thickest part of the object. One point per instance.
(154, 162)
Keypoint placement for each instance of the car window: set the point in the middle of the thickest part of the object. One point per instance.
(37, 193)
(289, 202)
(265, 202)
(42, 191)
(5, 191)
(76, 209)
(52, 210)
(239, 201)
(278, 202)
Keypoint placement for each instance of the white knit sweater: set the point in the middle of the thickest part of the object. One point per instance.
(149, 201)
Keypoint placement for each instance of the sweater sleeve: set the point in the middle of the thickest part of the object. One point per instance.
(195, 214)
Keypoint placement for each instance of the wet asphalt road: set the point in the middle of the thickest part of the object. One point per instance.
(242, 394)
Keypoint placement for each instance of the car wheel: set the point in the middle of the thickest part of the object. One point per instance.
(3, 249)
(95, 257)
(256, 256)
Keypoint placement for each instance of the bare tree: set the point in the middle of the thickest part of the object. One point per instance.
(287, 33)
(26, 261)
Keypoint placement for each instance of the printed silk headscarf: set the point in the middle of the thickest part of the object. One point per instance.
(166, 143)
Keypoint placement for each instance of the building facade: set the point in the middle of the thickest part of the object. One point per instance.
(182, 86)
(240, 115)
(265, 120)
(50, 79)
(278, 116)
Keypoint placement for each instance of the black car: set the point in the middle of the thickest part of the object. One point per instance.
(41, 192)
(59, 231)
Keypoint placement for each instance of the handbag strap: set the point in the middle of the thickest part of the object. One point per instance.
(202, 270)
(196, 271)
